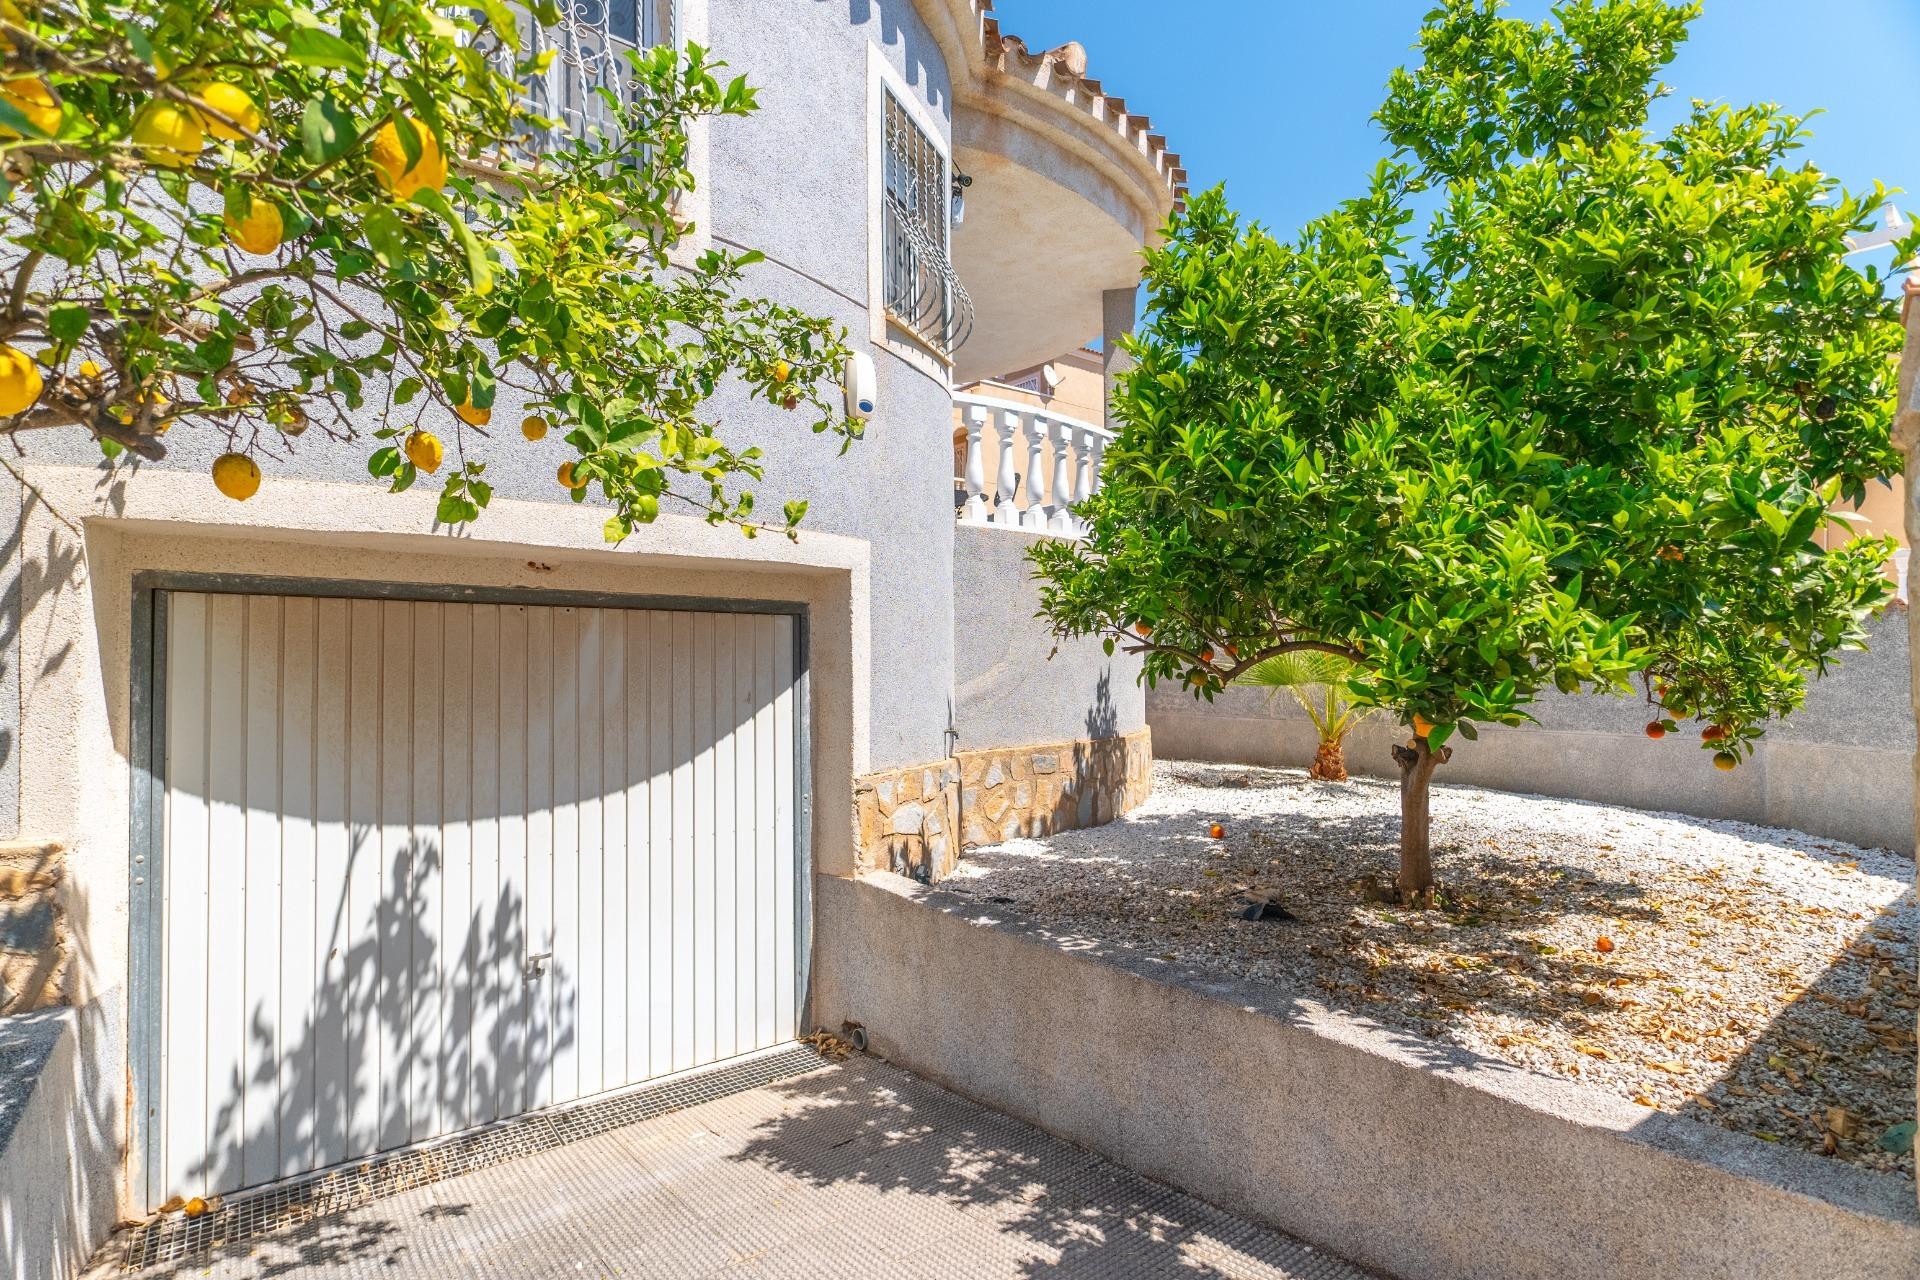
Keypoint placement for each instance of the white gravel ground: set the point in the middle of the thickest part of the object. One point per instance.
(1756, 978)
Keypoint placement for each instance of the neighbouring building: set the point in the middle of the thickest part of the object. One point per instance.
(326, 833)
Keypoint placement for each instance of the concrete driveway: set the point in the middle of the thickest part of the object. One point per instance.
(846, 1171)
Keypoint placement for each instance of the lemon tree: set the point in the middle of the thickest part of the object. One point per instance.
(1587, 432)
(255, 219)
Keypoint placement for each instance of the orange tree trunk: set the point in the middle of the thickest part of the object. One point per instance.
(1417, 763)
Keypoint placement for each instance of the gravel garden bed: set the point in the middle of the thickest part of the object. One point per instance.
(1759, 979)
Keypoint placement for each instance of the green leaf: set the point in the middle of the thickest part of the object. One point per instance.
(311, 47)
(326, 129)
(67, 322)
(479, 270)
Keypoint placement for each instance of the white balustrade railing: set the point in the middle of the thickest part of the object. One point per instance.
(1063, 448)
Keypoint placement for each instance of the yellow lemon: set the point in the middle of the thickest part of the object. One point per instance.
(534, 427)
(236, 475)
(782, 371)
(471, 416)
(568, 480)
(260, 231)
(88, 369)
(390, 162)
(169, 134)
(231, 101)
(32, 98)
(425, 451)
(20, 381)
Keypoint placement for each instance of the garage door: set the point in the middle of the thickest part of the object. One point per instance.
(425, 865)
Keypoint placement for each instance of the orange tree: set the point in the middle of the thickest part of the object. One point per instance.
(1587, 430)
(255, 219)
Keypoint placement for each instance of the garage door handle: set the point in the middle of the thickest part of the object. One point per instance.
(537, 965)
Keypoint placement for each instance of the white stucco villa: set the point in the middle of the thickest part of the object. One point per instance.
(283, 927)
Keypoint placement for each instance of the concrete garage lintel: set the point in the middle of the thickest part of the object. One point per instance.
(1404, 1154)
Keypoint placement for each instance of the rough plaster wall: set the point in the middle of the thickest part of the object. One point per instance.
(1839, 767)
(1006, 691)
(11, 494)
(791, 180)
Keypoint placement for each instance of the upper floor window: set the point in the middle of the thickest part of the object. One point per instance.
(590, 45)
(921, 292)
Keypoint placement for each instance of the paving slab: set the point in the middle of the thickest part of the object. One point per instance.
(851, 1170)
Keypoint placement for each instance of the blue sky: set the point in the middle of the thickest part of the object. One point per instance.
(1273, 96)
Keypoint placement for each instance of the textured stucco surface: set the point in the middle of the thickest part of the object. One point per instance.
(11, 495)
(1841, 766)
(1007, 692)
(1417, 1159)
(51, 1217)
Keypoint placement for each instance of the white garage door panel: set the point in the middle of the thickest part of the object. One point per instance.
(380, 817)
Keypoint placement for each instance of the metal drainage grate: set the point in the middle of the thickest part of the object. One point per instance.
(175, 1239)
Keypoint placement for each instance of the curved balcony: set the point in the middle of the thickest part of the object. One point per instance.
(1066, 187)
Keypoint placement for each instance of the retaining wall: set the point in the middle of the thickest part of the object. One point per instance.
(1841, 767)
(1423, 1161)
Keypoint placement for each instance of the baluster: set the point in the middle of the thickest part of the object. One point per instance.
(975, 512)
(1035, 516)
(1084, 489)
(1063, 493)
(1004, 512)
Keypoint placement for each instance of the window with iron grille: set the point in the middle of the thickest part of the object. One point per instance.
(921, 292)
(590, 44)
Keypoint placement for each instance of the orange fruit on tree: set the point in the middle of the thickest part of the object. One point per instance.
(20, 381)
(236, 475)
(1206, 653)
(568, 478)
(473, 416)
(1725, 761)
(390, 168)
(1421, 725)
(1712, 733)
(32, 98)
(534, 427)
(425, 451)
(1656, 730)
(169, 134)
(1603, 943)
(259, 232)
(232, 102)
(1217, 831)
(782, 371)
(1142, 629)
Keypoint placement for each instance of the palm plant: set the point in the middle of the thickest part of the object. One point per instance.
(1318, 682)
